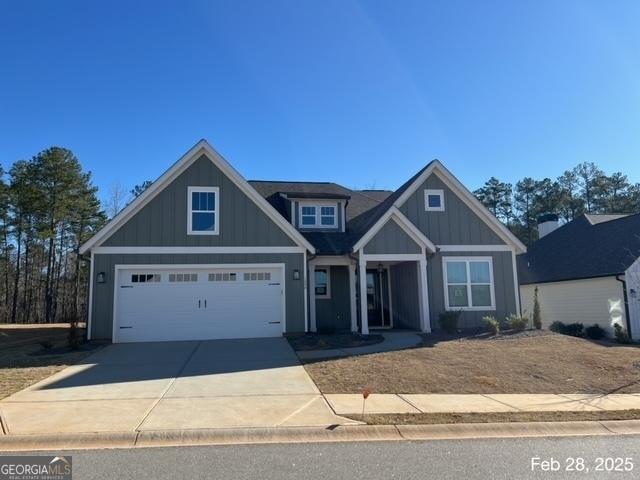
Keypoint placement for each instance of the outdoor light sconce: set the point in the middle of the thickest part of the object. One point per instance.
(380, 268)
(101, 278)
(296, 274)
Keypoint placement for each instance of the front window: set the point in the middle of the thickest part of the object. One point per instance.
(322, 283)
(469, 283)
(318, 216)
(203, 210)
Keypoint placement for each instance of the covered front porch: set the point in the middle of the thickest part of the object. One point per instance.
(393, 293)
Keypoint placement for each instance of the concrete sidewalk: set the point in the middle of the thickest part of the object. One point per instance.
(345, 404)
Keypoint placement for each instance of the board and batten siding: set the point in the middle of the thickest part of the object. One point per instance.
(404, 295)
(391, 239)
(588, 301)
(102, 307)
(456, 225)
(503, 283)
(163, 221)
(334, 314)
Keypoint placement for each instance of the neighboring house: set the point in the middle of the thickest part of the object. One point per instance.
(203, 254)
(587, 271)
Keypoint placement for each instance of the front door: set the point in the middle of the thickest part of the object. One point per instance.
(378, 299)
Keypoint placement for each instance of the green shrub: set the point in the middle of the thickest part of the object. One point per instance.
(449, 320)
(537, 317)
(46, 345)
(517, 322)
(558, 327)
(594, 332)
(574, 329)
(621, 334)
(492, 324)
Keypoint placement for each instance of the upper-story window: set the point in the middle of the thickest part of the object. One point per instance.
(203, 215)
(318, 216)
(434, 200)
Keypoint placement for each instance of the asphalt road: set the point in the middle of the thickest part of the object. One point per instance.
(462, 459)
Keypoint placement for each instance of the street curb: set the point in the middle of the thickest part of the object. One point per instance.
(350, 433)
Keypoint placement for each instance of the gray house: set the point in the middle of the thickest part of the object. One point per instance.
(204, 254)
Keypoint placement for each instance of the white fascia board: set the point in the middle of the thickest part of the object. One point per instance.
(467, 197)
(193, 250)
(476, 248)
(174, 171)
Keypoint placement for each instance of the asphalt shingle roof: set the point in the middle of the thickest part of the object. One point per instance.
(360, 205)
(589, 246)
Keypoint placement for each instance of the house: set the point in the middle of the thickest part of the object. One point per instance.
(586, 271)
(204, 254)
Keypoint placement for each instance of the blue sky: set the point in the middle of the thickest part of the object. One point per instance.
(363, 93)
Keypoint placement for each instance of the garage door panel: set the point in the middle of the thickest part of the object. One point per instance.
(220, 304)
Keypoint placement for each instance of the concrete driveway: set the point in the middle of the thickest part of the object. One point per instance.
(173, 385)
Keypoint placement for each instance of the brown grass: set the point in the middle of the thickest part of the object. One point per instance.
(538, 364)
(21, 363)
(438, 418)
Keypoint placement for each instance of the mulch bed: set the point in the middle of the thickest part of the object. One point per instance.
(327, 342)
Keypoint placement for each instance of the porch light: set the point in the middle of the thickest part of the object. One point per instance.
(296, 274)
(380, 268)
(101, 277)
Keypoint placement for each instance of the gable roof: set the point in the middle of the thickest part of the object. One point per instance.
(200, 148)
(588, 247)
(397, 198)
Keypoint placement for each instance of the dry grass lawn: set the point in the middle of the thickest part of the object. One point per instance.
(439, 418)
(537, 364)
(22, 362)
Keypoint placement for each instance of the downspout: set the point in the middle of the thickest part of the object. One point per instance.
(626, 304)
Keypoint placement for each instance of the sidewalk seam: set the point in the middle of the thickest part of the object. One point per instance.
(3, 428)
(166, 390)
(402, 396)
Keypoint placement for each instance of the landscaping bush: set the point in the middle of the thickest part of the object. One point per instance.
(517, 322)
(558, 327)
(621, 334)
(594, 332)
(449, 320)
(574, 329)
(537, 316)
(492, 324)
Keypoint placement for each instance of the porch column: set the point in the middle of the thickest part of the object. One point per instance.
(423, 290)
(312, 296)
(352, 297)
(362, 278)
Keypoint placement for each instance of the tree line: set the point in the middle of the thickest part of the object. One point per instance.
(48, 208)
(583, 189)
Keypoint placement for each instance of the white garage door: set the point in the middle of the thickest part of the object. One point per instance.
(159, 304)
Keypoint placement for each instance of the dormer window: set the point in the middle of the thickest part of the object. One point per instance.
(318, 216)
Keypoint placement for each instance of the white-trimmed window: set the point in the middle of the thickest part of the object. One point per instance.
(469, 283)
(318, 216)
(323, 289)
(434, 200)
(203, 215)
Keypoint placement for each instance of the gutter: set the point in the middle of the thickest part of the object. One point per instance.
(626, 304)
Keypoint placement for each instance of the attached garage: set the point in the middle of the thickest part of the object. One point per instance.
(198, 302)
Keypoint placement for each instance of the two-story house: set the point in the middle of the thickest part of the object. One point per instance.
(205, 254)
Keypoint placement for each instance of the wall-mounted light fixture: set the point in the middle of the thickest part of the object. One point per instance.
(101, 277)
(296, 274)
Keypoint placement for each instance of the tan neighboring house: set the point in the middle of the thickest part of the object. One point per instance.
(586, 271)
